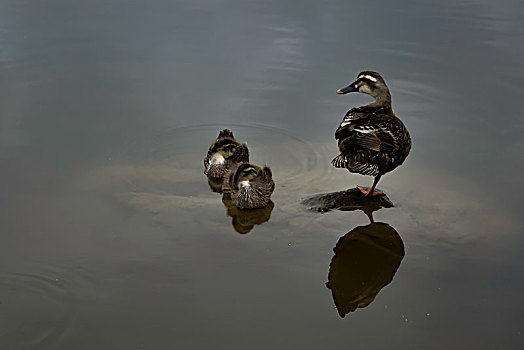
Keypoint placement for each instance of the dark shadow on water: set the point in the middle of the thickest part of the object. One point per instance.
(245, 219)
(365, 261)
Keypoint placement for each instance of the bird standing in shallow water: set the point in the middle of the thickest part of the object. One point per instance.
(372, 140)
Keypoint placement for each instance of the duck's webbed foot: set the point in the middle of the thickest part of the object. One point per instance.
(369, 191)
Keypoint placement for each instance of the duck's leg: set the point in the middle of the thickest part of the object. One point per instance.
(369, 213)
(370, 191)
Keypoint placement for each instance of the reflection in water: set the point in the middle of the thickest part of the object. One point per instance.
(215, 184)
(227, 161)
(365, 261)
(245, 219)
(347, 200)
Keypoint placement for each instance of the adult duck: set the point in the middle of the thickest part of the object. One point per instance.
(372, 140)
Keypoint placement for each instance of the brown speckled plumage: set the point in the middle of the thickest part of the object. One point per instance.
(249, 186)
(372, 140)
(228, 148)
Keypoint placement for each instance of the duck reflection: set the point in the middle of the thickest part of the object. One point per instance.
(365, 261)
(245, 219)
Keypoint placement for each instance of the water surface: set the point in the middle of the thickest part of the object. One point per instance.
(112, 238)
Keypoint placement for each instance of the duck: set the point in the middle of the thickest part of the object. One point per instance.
(372, 140)
(223, 154)
(249, 186)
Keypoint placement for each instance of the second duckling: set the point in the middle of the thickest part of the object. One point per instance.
(249, 186)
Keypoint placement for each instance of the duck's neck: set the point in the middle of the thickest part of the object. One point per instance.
(382, 101)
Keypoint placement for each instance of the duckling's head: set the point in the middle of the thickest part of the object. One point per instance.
(371, 83)
(251, 186)
(226, 149)
(246, 173)
(222, 154)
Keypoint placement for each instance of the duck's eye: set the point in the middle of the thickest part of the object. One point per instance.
(364, 81)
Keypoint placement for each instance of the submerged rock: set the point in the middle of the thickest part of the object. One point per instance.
(351, 199)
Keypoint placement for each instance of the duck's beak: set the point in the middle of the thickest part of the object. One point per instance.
(347, 89)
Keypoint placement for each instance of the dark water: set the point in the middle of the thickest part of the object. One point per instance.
(110, 237)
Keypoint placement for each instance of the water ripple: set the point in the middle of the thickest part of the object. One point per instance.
(171, 163)
(37, 309)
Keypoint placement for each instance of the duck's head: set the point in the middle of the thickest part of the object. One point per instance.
(368, 82)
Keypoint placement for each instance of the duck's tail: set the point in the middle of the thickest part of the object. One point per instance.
(340, 161)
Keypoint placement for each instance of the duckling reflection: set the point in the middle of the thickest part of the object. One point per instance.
(215, 184)
(245, 219)
(365, 261)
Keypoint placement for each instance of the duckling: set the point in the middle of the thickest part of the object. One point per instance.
(249, 186)
(225, 152)
(372, 140)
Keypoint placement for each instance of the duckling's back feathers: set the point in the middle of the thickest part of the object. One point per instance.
(226, 133)
(267, 175)
(241, 153)
(228, 151)
(256, 193)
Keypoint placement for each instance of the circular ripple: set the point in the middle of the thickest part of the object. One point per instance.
(35, 310)
(172, 162)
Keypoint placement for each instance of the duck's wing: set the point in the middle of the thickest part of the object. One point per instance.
(267, 177)
(363, 135)
(229, 181)
(365, 128)
(210, 151)
(375, 138)
(241, 154)
(354, 117)
(209, 154)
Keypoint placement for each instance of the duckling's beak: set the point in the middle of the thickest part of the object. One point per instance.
(347, 89)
